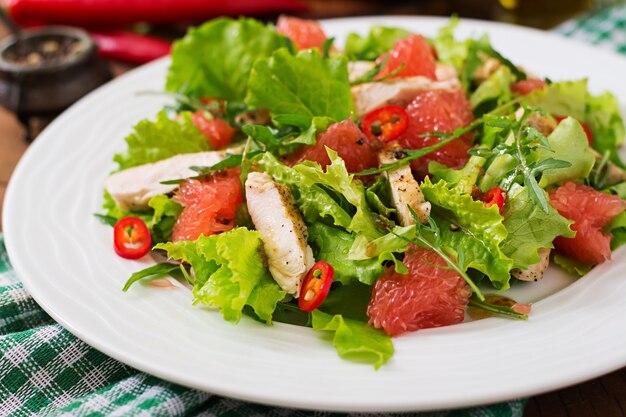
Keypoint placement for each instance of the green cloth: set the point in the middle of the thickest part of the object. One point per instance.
(605, 28)
(47, 371)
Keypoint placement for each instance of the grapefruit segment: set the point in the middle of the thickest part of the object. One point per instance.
(431, 295)
(438, 111)
(591, 211)
(303, 33)
(414, 54)
(209, 206)
(358, 151)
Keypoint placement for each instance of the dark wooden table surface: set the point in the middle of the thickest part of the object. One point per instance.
(601, 397)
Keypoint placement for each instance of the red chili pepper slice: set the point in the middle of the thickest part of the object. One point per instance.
(585, 128)
(495, 196)
(386, 123)
(316, 286)
(131, 238)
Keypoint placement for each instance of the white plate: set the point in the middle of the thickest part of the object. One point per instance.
(65, 258)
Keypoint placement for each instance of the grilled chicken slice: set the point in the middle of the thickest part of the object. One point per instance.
(405, 190)
(534, 271)
(397, 91)
(276, 217)
(132, 188)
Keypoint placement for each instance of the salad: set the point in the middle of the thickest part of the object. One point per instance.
(394, 184)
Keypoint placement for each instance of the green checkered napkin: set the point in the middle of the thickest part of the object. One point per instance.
(605, 28)
(46, 371)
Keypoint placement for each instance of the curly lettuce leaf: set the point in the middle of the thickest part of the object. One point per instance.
(314, 203)
(617, 227)
(153, 140)
(230, 272)
(471, 231)
(355, 340)
(530, 228)
(301, 87)
(464, 179)
(215, 59)
(572, 266)
(605, 121)
(336, 177)
(564, 98)
(379, 40)
(332, 245)
(568, 142)
(450, 51)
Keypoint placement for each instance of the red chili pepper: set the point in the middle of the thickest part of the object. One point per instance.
(495, 196)
(217, 131)
(585, 128)
(385, 123)
(130, 46)
(114, 13)
(316, 286)
(131, 238)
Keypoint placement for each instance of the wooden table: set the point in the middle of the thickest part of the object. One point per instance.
(601, 397)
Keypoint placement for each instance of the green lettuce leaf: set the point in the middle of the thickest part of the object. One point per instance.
(471, 231)
(166, 211)
(379, 40)
(617, 227)
(449, 51)
(604, 119)
(348, 300)
(355, 340)
(336, 177)
(529, 227)
(332, 245)
(302, 86)
(314, 203)
(464, 179)
(160, 218)
(230, 272)
(572, 266)
(568, 142)
(215, 59)
(492, 92)
(565, 98)
(162, 138)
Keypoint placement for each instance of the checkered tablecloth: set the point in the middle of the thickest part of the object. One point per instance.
(46, 371)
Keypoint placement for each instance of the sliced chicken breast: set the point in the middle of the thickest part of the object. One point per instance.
(275, 215)
(398, 91)
(534, 271)
(405, 190)
(132, 188)
(357, 69)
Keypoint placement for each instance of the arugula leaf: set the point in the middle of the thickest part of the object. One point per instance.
(355, 340)
(379, 40)
(215, 59)
(153, 141)
(230, 272)
(530, 228)
(471, 231)
(159, 270)
(332, 245)
(305, 85)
